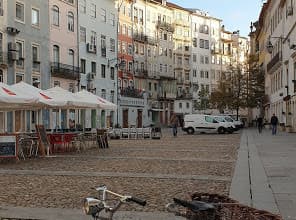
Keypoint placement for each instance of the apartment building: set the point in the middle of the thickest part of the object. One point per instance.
(182, 58)
(132, 100)
(97, 25)
(63, 50)
(206, 65)
(24, 53)
(275, 34)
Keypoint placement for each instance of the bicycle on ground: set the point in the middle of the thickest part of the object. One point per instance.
(100, 210)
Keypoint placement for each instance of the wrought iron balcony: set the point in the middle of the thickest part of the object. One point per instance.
(274, 61)
(144, 39)
(165, 26)
(64, 71)
(141, 73)
(131, 92)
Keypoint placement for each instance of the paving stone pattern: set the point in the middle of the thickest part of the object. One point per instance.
(156, 170)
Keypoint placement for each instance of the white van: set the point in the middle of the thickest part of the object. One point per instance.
(228, 124)
(203, 123)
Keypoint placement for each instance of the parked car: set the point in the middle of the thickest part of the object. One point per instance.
(232, 118)
(204, 124)
(228, 124)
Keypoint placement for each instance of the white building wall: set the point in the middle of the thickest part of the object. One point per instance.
(101, 25)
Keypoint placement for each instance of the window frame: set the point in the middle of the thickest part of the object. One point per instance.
(24, 12)
(38, 13)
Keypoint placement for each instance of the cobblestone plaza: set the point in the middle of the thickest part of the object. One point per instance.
(156, 170)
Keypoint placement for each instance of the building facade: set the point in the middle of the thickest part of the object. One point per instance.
(63, 50)
(97, 21)
(24, 37)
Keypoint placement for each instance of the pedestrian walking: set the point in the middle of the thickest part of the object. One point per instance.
(260, 124)
(274, 122)
(174, 123)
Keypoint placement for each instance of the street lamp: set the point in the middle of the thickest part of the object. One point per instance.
(269, 45)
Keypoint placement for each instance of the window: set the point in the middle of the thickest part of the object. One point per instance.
(20, 49)
(112, 96)
(93, 67)
(82, 6)
(71, 57)
(93, 38)
(20, 11)
(130, 66)
(130, 49)
(103, 15)
(82, 65)
(1, 42)
(207, 74)
(209, 119)
(93, 10)
(112, 45)
(201, 74)
(194, 58)
(1, 76)
(194, 73)
(55, 15)
(35, 17)
(112, 19)
(103, 45)
(155, 87)
(35, 58)
(201, 43)
(1, 8)
(112, 73)
(206, 44)
(56, 54)
(82, 34)
(180, 105)
(103, 71)
(150, 87)
(70, 21)
(19, 77)
(202, 59)
(103, 93)
(195, 42)
(206, 60)
(187, 105)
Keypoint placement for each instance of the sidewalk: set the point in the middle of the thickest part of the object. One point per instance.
(265, 173)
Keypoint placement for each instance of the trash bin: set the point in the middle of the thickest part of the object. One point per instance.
(156, 133)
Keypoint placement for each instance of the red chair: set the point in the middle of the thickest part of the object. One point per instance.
(68, 138)
(56, 139)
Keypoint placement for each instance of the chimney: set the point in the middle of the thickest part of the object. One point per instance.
(163, 2)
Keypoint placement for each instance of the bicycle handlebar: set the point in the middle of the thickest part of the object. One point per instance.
(137, 200)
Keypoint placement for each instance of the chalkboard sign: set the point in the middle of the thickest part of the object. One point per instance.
(43, 140)
(8, 145)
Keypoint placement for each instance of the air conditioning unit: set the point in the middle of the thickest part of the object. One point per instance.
(91, 76)
(12, 30)
(12, 46)
(289, 10)
(13, 55)
(91, 48)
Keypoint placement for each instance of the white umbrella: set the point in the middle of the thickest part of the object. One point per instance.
(10, 99)
(100, 102)
(60, 94)
(44, 97)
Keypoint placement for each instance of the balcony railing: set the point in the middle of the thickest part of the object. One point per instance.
(141, 72)
(184, 95)
(3, 59)
(64, 71)
(275, 60)
(165, 26)
(131, 92)
(144, 39)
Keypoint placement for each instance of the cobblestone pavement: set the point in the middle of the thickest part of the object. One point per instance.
(156, 170)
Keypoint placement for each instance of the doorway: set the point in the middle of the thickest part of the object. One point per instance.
(139, 118)
(125, 118)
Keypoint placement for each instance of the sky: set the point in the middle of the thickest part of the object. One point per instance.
(236, 14)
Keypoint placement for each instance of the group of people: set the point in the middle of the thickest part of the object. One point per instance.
(273, 122)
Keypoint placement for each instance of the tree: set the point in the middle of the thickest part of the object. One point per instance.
(220, 97)
(203, 103)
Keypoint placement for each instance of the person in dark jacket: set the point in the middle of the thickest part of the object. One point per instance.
(260, 124)
(274, 122)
